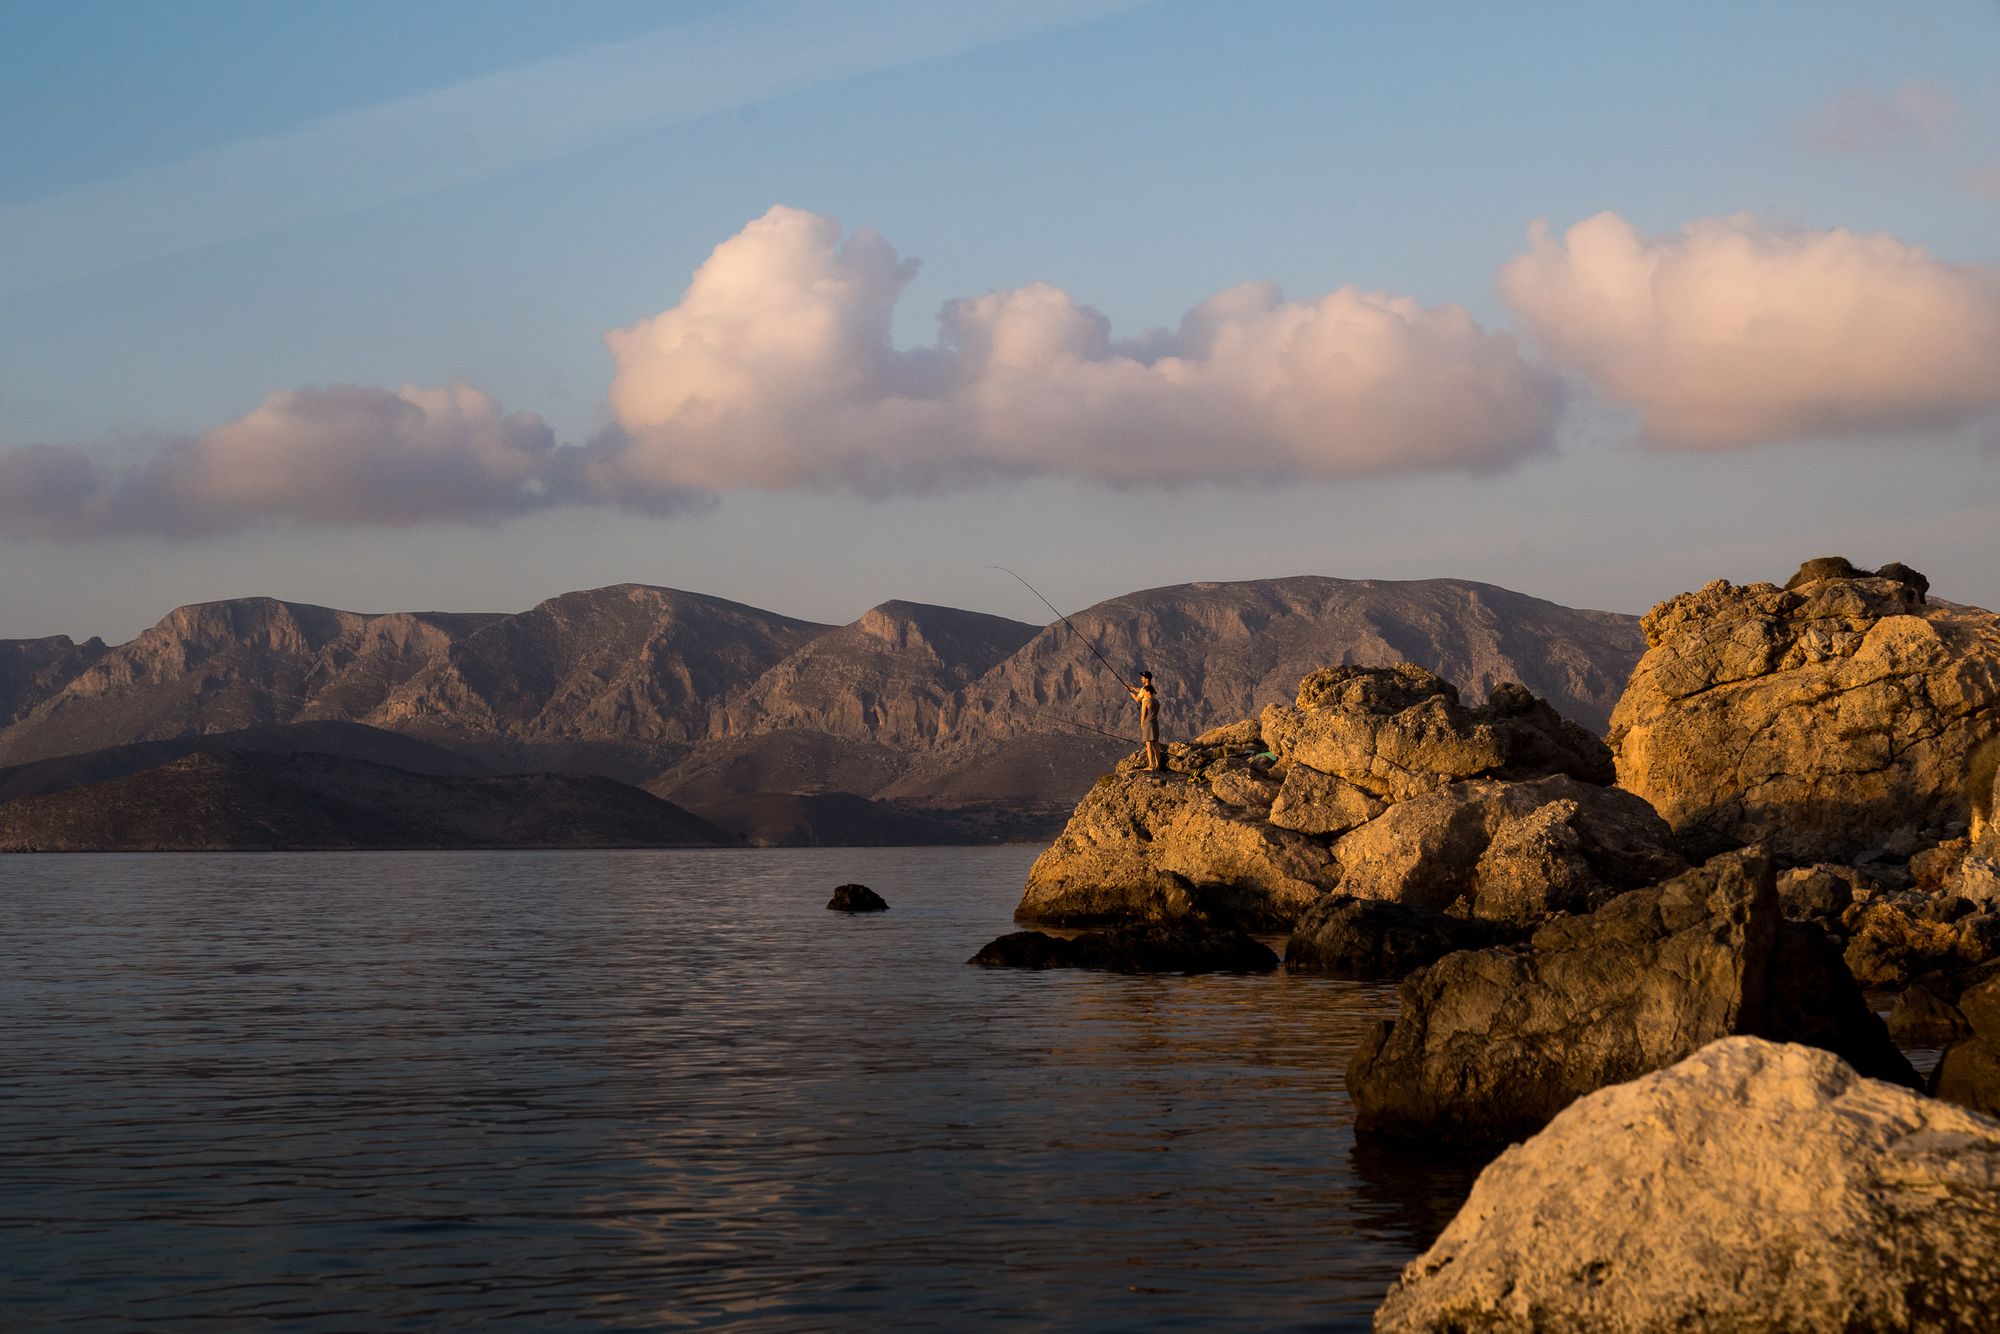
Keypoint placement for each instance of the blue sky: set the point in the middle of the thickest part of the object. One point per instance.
(1140, 161)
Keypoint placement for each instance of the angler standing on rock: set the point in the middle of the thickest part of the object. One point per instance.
(1149, 719)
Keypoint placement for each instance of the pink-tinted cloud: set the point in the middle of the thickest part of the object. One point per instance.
(1862, 120)
(343, 454)
(1732, 332)
(776, 369)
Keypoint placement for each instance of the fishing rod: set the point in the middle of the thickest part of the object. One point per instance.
(1058, 718)
(1066, 621)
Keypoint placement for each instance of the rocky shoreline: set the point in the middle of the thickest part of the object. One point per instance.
(1690, 924)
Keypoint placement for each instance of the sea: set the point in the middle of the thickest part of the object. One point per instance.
(658, 1090)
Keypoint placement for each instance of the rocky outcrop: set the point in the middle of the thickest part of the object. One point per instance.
(1366, 939)
(1378, 780)
(1488, 1045)
(1753, 1185)
(1151, 948)
(1512, 852)
(856, 898)
(1147, 849)
(1395, 733)
(1818, 719)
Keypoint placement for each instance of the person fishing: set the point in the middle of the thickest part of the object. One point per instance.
(1149, 719)
(1148, 699)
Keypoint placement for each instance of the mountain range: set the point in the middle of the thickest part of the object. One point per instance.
(719, 706)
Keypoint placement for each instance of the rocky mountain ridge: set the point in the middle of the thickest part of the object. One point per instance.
(696, 697)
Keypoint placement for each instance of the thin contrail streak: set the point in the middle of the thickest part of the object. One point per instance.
(495, 123)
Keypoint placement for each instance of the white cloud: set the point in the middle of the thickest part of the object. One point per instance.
(343, 454)
(776, 370)
(1732, 331)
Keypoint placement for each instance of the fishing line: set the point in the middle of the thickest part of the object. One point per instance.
(1058, 718)
(1066, 621)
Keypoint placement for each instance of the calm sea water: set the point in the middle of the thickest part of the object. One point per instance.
(663, 1090)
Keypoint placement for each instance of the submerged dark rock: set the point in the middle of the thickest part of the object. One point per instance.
(1490, 1044)
(1147, 948)
(1367, 939)
(856, 898)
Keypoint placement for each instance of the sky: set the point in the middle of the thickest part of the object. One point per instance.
(394, 306)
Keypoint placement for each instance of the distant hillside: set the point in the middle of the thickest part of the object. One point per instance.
(704, 701)
(344, 740)
(243, 800)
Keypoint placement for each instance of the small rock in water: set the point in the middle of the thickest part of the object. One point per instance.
(856, 898)
(1152, 947)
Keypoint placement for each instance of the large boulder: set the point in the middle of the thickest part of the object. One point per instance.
(1488, 1045)
(1153, 947)
(1512, 852)
(1818, 719)
(1396, 732)
(1753, 1185)
(1146, 849)
(1368, 939)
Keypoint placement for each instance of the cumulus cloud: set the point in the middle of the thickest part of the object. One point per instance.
(342, 454)
(1732, 331)
(1862, 120)
(776, 369)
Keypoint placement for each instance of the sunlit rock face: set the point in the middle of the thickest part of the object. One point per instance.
(1752, 1182)
(1818, 719)
(1376, 781)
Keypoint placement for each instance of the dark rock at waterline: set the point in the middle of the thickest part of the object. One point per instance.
(1969, 1074)
(1490, 1044)
(1922, 1018)
(1366, 939)
(1153, 947)
(856, 898)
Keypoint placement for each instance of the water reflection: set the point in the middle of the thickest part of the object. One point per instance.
(663, 1090)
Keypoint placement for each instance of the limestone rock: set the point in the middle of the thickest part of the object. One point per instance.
(1140, 848)
(1365, 939)
(1508, 851)
(1311, 802)
(1149, 948)
(1977, 881)
(1890, 943)
(1398, 732)
(856, 898)
(1969, 1074)
(1806, 893)
(1753, 1185)
(1245, 735)
(1240, 785)
(1490, 1044)
(1819, 719)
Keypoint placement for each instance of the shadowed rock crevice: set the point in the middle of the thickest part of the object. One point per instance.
(1488, 1045)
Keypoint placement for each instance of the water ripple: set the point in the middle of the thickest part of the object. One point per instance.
(656, 1090)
